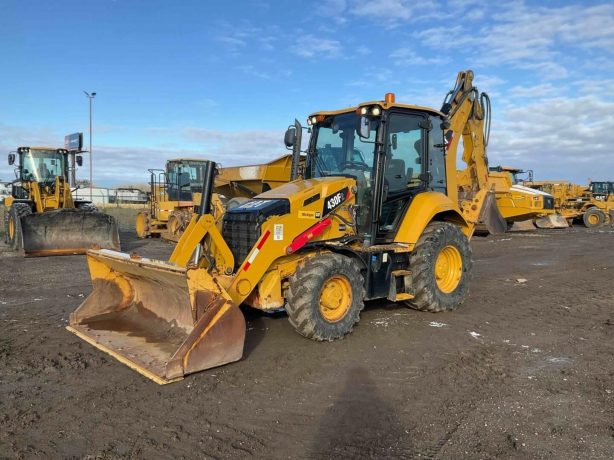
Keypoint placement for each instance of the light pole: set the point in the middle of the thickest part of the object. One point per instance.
(90, 96)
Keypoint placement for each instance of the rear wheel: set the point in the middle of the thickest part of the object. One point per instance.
(441, 266)
(13, 224)
(325, 297)
(593, 217)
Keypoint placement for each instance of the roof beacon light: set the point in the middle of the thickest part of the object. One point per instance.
(389, 98)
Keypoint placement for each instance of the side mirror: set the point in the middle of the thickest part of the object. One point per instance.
(79, 159)
(364, 128)
(11, 159)
(290, 137)
(395, 142)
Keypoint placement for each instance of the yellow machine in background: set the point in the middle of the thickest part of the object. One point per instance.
(177, 189)
(42, 218)
(593, 205)
(376, 215)
(522, 205)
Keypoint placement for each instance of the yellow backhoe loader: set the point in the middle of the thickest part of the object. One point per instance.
(522, 207)
(42, 217)
(177, 189)
(378, 214)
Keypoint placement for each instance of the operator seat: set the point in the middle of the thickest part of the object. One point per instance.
(396, 175)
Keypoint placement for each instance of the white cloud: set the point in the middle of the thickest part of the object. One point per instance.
(310, 46)
(408, 57)
(392, 13)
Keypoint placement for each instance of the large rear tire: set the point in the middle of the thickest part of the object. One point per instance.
(325, 297)
(593, 217)
(441, 267)
(14, 236)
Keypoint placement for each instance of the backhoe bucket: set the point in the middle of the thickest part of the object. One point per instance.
(491, 217)
(67, 231)
(551, 221)
(161, 320)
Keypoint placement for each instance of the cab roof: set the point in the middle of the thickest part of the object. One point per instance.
(177, 160)
(384, 105)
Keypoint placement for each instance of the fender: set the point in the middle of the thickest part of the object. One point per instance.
(424, 208)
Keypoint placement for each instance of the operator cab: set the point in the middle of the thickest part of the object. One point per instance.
(393, 151)
(602, 190)
(183, 178)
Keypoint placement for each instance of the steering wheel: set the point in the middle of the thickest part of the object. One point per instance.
(360, 165)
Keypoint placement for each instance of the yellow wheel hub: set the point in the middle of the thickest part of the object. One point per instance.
(593, 219)
(448, 269)
(335, 298)
(11, 228)
(141, 225)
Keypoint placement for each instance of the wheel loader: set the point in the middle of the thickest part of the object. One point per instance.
(176, 190)
(378, 214)
(522, 207)
(42, 218)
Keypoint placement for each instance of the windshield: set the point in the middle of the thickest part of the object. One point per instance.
(42, 165)
(339, 151)
(184, 178)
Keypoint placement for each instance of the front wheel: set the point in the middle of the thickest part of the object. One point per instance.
(13, 224)
(441, 267)
(325, 297)
(593, 217)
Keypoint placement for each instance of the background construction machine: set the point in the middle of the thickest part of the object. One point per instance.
(42, 218)
(378, 214)
(176, 190)
(593, 205)
(522, 207)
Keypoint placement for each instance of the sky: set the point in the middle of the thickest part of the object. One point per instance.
(223, 80)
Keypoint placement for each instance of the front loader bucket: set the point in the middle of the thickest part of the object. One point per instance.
(67, 231)
(491, 217)
(161, 320)
(551, 221)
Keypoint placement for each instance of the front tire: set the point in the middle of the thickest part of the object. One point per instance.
(593, 217)
(325, 297)
(13, 224)
(441, 266)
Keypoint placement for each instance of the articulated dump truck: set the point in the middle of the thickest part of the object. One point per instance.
(176, 190)
(375, 215)
(42, 217)
(522, 207)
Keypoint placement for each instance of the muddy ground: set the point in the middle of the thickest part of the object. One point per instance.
(524, 369)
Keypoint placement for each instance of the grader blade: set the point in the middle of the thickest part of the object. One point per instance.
(491, 217)
(67, 231)
(551, 221)
(523, 226)
(161, 320)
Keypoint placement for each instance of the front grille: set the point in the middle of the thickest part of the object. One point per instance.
(548, 202)
(241, 231)
(242, 226)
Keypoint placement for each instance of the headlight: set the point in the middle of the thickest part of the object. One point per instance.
(363, 110)
(376, 111)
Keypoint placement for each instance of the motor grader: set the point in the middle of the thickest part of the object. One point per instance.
(592, 206)
(42, 217)
(378, 214)
(175, 191)
(523, 207)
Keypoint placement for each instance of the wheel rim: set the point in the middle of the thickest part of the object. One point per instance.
(11, 229)
(593, 219)
(448, 269)
(335, 298)
(141, 225)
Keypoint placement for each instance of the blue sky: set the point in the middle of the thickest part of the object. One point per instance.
(224, 79)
